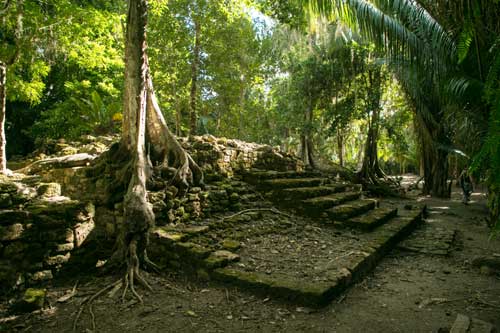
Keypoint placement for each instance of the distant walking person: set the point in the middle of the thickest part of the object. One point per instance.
(466, 185)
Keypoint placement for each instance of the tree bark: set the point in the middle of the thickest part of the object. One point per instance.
(194, 77)
(3, 101)
(178, 117)
(370, 169)
(143, 121)
(4, 64)
(306, 144)
(434, 161)
(138, 213)
(241, 107)
(340, 146)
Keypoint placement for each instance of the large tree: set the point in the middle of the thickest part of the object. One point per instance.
(11, 37)
(143, 122)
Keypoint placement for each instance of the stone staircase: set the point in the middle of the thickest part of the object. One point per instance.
(332, 239)
(311, 194)
(325, 237)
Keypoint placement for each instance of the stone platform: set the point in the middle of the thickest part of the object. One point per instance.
(303, 259)
(326, 235)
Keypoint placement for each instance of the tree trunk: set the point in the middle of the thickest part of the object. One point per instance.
(143, 121)
(4, 64)
(434, 161)
(241, 108)
(178, 117)
(435, 166)
(340, 147)
(194, 77)
(306, 144)
(3, 101)
(370, 169)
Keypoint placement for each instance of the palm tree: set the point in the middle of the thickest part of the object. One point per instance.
(444, 53)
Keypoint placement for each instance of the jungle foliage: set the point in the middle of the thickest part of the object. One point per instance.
(417, 81)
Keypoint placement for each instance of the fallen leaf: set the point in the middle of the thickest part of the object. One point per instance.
(430, 301)
(66, 297)
(191, 313)
(304, 310)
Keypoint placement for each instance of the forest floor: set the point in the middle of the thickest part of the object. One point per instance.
(418, 287)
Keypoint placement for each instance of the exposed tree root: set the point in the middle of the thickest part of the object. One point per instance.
(272, 210)
(143, 124)
(88, 301)
(168, 148)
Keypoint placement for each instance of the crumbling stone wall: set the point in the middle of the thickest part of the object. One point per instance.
(39, 229)
(226, 157)
(221, 159)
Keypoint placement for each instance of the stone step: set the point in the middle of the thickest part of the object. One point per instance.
(282, 183)
(351, 209)
(316, 206)
(464, 324)
(9, 216)
(324, 285)
(292, 195)
(372, 219)
(255, 176)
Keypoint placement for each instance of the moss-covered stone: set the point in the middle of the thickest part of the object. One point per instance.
(7, 186)
(234, 197)
(196, 230)
(11, 232)
(351, 209)
(57, 260)
(372, 219)
(5, 200)
(220, 259)
(202, 274)
(49, 189)
(41, 276)
(169, 236)
(291, 195)
(231, 244)
(33, 299)
(8, 217)
(83, 231)
(15, 250)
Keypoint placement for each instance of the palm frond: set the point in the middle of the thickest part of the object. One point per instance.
(401, 27)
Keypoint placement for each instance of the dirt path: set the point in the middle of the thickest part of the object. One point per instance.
(407, 292)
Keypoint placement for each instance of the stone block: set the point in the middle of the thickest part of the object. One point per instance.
(49, 189)
(7, 186)
(464, 324)
(169, 236)
(65, 247)
(14, 250)
(41, 276)
(231, 244)
(33, 299)
(57, 235)
(110, 229)
(220, 258)
(57, 260)
(11, 232)
(7, 270)
(8, 217)
(5, 200)
(82, 232)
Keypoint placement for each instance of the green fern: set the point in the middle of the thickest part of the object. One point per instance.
(464, 42)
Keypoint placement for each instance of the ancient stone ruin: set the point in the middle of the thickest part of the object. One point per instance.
(262, 222)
